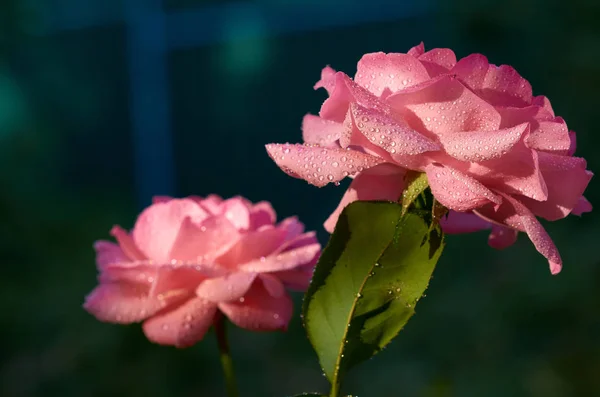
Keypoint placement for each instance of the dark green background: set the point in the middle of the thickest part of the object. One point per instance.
(493, 323)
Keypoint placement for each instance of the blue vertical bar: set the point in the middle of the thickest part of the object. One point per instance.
(149, 99)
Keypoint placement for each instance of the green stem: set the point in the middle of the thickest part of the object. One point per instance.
(226, 361)
(335, 388)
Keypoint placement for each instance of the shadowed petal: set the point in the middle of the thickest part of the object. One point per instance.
(456, 190)
(259, 311)
(382, 182)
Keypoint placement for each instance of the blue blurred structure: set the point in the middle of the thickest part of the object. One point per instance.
(152, 33)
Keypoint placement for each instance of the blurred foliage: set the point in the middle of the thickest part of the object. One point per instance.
(495, 322)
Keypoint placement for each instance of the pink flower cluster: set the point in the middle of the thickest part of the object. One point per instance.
(494, 154)
(188, 259)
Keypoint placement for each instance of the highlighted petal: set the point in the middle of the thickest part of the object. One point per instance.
(443, 105)
(320, 166)
(237, 211)
(254, 245)
(438, 61)
(158, 226)
(227, 288)
(498, 85)
(378, 71)
(316, 130)
(482, 145)
(456, 190)
(393, 137)
(204, 241)
(182, 326)
(259, 311)
(122, 303)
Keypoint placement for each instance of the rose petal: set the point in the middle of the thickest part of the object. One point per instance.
(388, 134)
(482, 145)
(378, 71)
(551, 136)
(319, 166)
(127, 244)
(108, 253)
(182, 326)
(567, 179)
(345, 92)
(292, 227)
(463, 222)
(158, 226)
(417, 50)
(237, 211)
(121, 303)
(543, 102)
(297, 279)
(259, 311)
(253, 245)
(498, 85)
(316, 130)
(327, 80)
(261, 214)
(582, 206)
(204, 241)
(502, 237)
(516, 172)
(212, 204)
(438, 61)
(456, 190)
(572, 144)
(443, 105)
(298, 241)
(272, 284)
(514, 214)
(161, 199)
(227, 288)
(285, 260)
(382, 182)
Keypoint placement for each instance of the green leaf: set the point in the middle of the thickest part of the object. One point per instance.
(310, 395)
(416, 183)
(375, 268)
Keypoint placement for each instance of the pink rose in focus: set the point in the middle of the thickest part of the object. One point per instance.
(494, 154)
(188, 259)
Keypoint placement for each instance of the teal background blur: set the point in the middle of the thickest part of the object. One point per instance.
(104, 103)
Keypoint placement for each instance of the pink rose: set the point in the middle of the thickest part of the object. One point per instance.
(495, 155)
(188, 259)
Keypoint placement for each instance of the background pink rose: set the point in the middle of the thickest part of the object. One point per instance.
(188, 259)
(494, 154)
